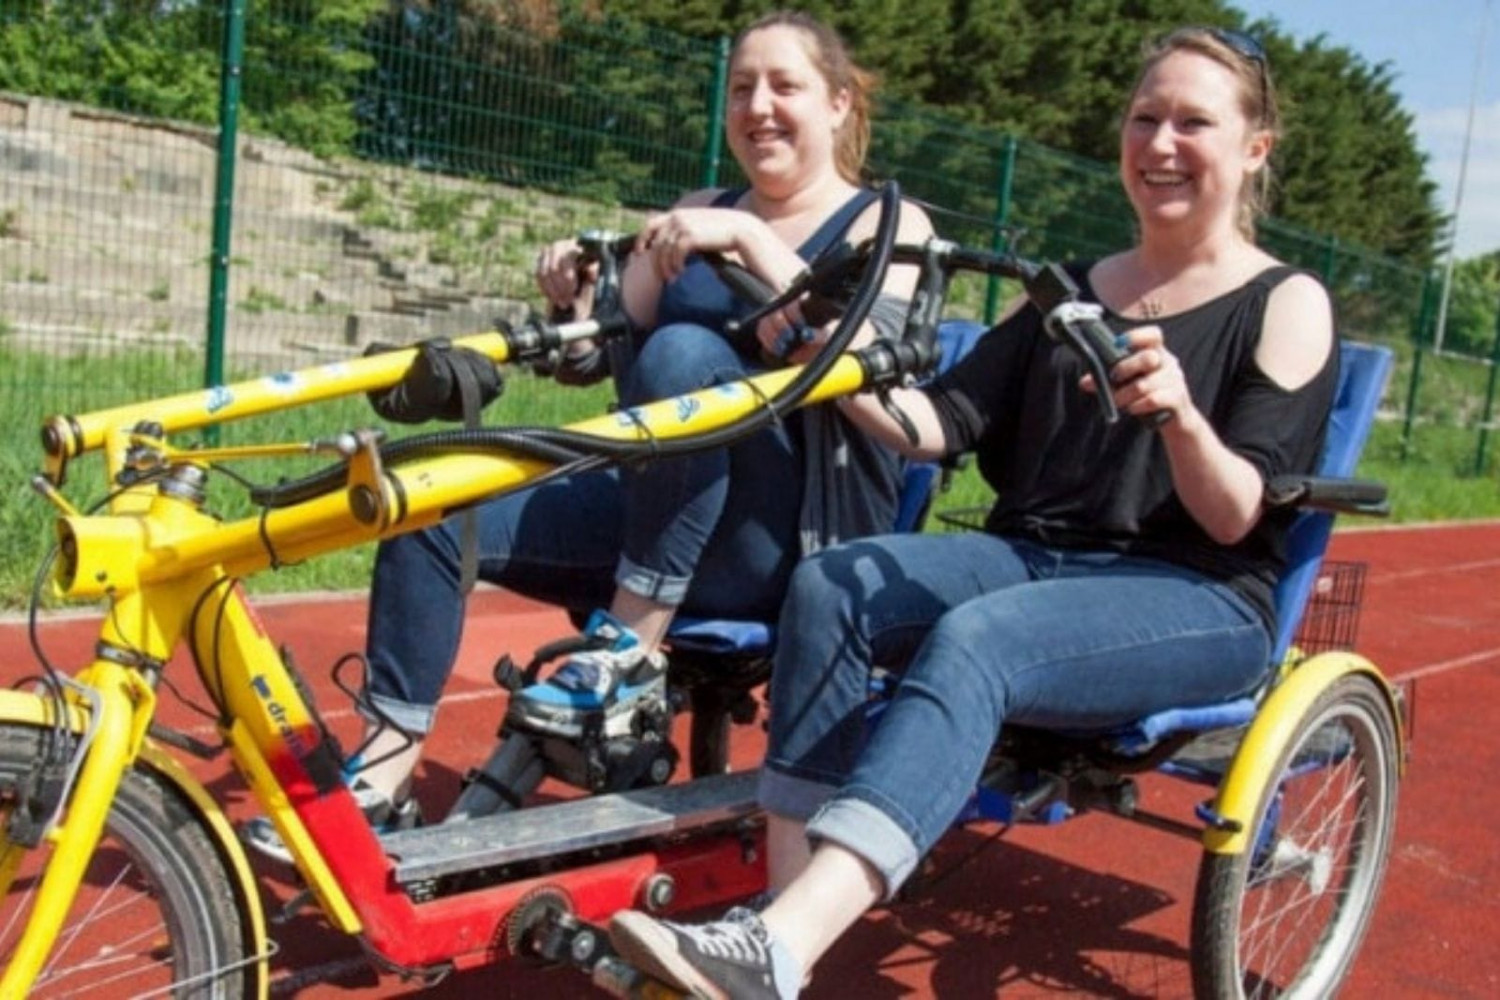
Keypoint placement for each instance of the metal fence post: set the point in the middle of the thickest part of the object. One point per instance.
(230, 73)
(713, 148)
(1489, 400)
(1002, 219)
(1416, 363)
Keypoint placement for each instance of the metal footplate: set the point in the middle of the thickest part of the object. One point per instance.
(580, 824)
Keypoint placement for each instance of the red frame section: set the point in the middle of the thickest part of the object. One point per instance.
(469, 928)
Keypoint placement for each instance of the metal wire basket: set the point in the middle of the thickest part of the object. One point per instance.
(1331, 619)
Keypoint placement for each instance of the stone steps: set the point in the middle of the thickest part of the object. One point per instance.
(106, 240)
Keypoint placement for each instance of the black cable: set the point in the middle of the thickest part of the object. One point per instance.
(262, 530)
(215, 690)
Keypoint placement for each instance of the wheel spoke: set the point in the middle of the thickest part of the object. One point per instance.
(154, 910)
(1285, 917)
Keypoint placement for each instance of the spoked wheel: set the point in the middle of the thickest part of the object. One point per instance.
(1285, 917)
(155, 914)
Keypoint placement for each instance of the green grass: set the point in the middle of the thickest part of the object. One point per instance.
(1434, 482)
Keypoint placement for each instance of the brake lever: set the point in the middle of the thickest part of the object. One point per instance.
(1080, 326)
(604, 248)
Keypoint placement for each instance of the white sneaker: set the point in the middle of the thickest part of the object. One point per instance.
(616, 679)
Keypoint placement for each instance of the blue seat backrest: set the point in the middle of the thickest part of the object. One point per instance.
(955, 337)
(1363, 370)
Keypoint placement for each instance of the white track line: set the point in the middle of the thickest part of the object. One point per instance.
(1407, 574)
(1443, 666)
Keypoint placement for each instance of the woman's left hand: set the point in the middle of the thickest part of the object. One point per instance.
(1149, 379)
(670, 237)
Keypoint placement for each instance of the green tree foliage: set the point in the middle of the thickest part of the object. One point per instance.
(1349, 162)
(1474, 307)
(128, 57)
(303, 60)
(583, 103)
(557, 92)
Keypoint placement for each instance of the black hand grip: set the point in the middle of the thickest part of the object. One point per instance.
(828, 286)
(740, 281)
(1111, 351)
(601, 244)
(1345, 496)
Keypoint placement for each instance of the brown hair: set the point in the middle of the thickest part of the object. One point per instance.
(831, 57)
(1242, 56)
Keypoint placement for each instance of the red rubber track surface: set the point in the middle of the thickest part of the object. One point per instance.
(1095, 907)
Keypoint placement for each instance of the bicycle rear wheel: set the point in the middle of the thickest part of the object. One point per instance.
(155, 913)
(1285, 917)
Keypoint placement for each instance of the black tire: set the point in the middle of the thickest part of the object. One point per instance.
(156, 907)
(1285, 918)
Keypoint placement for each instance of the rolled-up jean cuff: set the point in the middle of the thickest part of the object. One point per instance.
(653, 586)
(409, 718)
(863, 828)
(790, 796)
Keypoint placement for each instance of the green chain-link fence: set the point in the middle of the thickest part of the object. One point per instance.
(397, 165)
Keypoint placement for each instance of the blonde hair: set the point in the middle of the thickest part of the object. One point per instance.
(839, 71)
(1244, 58)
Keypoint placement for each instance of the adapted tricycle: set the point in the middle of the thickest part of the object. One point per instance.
(122, 875)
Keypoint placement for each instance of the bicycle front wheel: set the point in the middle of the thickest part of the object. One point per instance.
(1285, 917)
(155, 913)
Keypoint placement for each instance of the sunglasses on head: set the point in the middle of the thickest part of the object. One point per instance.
(1241, 43)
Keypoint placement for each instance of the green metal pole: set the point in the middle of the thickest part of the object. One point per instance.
(1330, 260)
(1423, 302)
(713, 149)
(1489, 400)
(1002, 219)
(229, 113)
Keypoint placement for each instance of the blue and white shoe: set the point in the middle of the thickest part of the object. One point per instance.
(616, 679)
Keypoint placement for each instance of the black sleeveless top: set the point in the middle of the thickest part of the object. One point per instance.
(1064, 477)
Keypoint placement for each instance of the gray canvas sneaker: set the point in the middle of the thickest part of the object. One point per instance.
(730, 959)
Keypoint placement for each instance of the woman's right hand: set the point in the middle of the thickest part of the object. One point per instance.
(564, 280)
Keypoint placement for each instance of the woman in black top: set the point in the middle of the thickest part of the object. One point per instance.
(1124, 569)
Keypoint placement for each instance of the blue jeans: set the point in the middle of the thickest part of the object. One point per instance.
(990, 630)
(714, 533)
